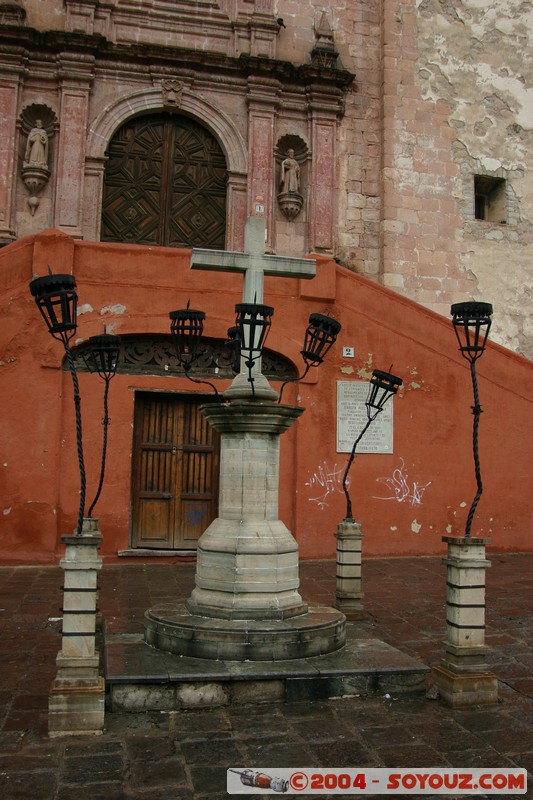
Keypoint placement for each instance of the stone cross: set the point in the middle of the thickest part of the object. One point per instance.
(254, 263)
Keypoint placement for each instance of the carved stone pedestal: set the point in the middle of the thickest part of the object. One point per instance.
(246, 604)
(348, 593)
(76, 700)
(462, 677)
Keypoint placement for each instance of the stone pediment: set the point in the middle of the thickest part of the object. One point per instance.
(220, 26)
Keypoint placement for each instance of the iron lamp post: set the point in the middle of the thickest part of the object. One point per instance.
(57, 301)
(101, 357)
(382, 387)
(471, 322)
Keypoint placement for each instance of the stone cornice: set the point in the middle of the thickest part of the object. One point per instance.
(30, 43)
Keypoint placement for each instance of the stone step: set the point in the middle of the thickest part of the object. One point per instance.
(141, 678)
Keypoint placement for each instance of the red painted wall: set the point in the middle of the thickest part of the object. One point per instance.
(405, 501)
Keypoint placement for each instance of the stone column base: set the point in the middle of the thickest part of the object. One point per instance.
(468, 689)
(76, 709)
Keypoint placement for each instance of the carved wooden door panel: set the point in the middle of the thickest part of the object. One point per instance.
(175, 472)
(165, 184)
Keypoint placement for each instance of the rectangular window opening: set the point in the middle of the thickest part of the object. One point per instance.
(490, 199)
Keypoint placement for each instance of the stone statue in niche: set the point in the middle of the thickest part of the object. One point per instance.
(290, 199)
(38, 122)
(290, 173)
(36, 154)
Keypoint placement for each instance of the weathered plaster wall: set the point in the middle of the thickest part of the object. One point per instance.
(476, 57)
(405, 500)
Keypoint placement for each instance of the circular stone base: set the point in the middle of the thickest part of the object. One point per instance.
(171, 628)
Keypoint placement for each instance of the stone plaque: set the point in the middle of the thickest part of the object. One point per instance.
(352, 418)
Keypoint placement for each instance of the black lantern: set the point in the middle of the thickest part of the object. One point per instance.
(101, 357)
(320, 336)
(471, 322)
(57, 301)
(253, 322)
(382, 387)
(186, 328)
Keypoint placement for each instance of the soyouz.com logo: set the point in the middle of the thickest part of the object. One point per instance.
(307, 780)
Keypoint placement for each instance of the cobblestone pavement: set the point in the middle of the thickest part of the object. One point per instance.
(185, 754)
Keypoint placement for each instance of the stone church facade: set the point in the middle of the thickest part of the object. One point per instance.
(393, 136)
(388, 140)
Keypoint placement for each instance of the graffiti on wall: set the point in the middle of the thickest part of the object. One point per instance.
(399, 488)
(325, 482)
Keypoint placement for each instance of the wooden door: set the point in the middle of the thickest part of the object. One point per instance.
(165, 184)
(175, 471)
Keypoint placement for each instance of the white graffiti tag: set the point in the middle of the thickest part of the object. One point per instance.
(326, 481)
(400, 490)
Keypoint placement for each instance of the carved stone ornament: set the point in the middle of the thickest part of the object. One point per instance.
(172, 92)
(37, 123)
(290, 204)
(155, 355)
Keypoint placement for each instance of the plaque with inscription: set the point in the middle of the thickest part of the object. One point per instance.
(352, 418)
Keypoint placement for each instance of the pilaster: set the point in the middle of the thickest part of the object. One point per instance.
(75, 80)
(263, 100)
(12, 67)
(325, 106)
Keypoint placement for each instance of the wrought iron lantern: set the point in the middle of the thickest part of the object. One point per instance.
(383, 386)
(471, 322)
(57, 301)
(186, 328)
(253, 322)
(101, 357)
(320, 336)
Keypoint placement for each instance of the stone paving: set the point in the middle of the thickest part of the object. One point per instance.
(185, 754)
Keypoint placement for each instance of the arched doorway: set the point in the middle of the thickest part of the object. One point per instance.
(165, 184)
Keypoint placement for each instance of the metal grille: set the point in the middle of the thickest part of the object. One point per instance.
(149, 355)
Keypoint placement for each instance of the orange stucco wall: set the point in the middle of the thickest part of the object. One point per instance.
(406, 501)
